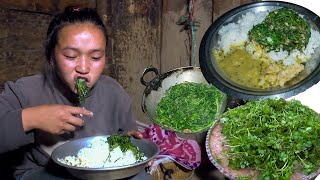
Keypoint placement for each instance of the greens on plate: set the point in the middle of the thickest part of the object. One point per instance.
(273, 136)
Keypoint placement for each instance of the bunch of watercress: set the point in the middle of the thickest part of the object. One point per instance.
(273, 136)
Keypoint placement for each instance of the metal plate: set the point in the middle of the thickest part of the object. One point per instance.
(71, 148)
(213, 74)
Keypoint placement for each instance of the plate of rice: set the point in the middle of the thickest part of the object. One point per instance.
(105, 157)
(262, 49)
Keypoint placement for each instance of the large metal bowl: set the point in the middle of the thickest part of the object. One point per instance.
(71, 148)
(157, 87)
(215, 75)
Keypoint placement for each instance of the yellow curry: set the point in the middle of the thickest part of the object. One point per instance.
(241, 67)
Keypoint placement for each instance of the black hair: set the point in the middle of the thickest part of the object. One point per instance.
(71, 15)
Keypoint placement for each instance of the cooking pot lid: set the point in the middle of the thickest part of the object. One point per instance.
(214, 74)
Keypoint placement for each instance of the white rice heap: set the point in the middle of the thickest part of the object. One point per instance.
(98, 155)
(236, 34)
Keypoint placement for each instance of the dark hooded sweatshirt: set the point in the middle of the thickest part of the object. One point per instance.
(110, 104)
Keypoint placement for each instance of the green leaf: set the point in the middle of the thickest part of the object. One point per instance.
(82, 90)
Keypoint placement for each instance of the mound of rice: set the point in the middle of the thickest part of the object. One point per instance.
(236, 34)
(98, 155)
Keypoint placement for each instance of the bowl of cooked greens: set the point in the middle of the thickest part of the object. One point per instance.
(266, 139)
(262, 49)
(105, 157)
(181, 100)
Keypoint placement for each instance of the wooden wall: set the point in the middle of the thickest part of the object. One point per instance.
(142, 33)
(135, 33)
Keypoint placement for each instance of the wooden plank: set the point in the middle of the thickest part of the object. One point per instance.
(21, 44)
(45, 6)
(135, 44)
(104, 8)
(18, 4)
(175, 48)
(203, 11)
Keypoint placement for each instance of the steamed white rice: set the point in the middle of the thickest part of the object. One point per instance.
(98, 155)
(236, 34)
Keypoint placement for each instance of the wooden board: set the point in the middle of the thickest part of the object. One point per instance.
(174, 41)
(21, 37)
(175, 48)
(135, 43)
(45, 6)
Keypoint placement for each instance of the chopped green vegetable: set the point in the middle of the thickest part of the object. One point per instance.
(125, 144)
(273, 136)
(189, 107)
(82, 90)
(283, 29)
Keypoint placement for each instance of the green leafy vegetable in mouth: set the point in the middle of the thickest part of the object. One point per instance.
(273, 136)
(82, 90)
(125, 144)
(283, 29)
(189, 107)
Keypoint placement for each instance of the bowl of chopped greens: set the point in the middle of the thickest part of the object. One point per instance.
(262, 49)
(266, 139)
(181, 100)
(105, 157)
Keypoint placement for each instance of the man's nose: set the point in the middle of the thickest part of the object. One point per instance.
(83, 65)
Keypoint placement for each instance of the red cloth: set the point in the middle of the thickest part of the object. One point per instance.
(185, 152)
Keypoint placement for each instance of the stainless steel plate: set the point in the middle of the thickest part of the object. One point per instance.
(149, 148)
(214, 75)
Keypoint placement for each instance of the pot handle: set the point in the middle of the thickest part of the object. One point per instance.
(149, 69)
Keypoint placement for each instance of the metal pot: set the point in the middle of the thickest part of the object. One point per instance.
(157, 87)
